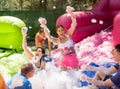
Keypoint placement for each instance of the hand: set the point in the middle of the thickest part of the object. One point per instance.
(69, 9)
(24, 31)
(42, 21)
(86, 67)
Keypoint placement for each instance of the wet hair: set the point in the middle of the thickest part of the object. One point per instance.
(58, 26)
(43, 50)
(41, 30)
(26, 68)
(117, 47)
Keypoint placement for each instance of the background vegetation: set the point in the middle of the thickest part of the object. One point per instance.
(30, 10)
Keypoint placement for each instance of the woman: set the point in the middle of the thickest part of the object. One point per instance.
(64, 40)
(38, 59)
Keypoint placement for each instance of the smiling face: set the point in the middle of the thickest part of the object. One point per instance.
(38, 52)
(60, 30)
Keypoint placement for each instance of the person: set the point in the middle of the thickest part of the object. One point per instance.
(64, 40)
(40, 40)
(20, 80)
(2, 83)
(102, 77)
(38, 59)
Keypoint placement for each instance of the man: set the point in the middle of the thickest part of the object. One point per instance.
(102, 73)
(40, 40)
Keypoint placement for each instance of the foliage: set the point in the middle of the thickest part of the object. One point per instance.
(45, 4)
(31, 19)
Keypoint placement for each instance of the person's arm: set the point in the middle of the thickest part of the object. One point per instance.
(2, 83)
(47, 34)
(24, 45)
(107, 83)
(36, 41)
(106, 71)
(49, 47)
(73, 24)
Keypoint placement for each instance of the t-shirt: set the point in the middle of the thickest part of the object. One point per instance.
(19, 81)
(116, 78)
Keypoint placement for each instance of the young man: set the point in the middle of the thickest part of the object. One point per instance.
(41, 40)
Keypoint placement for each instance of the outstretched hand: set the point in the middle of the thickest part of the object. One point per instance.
(42, 21)
(24, 31)
(69, 9)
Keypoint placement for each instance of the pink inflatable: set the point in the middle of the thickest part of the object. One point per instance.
(116, 30)
(91, 22)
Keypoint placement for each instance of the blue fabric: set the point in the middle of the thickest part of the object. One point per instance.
(26, 83)
(109, 64)
(91, 73)
(116, 78)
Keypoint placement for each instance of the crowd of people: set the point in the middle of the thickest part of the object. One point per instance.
(38, 59)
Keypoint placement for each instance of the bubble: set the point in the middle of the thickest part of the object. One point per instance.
(100, 22)
(30, 27)
(54, 7)
(11, 46)
(93, 20)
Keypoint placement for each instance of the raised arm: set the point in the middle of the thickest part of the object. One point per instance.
(24, 45)
(49, 47)
(42, 21)
(69, 10)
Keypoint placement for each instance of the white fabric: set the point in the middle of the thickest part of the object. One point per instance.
(69, 43)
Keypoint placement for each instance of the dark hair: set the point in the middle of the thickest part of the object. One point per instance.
(43, 50)
(26, 68)
(58, 26)
(117, 47)
(41, 30)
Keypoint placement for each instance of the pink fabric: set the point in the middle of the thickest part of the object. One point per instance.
(69, 61)
(104, 10)
(116, 30)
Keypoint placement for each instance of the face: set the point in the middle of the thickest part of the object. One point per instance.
(116, 55)
(38, 52)
(42, 35)
(60, 31)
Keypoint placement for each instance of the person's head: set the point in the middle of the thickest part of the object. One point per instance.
(39, 51)
(116, 53)
(27, 69)
(41, 32)
(60, 30)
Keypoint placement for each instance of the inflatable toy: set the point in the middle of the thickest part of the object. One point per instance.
(116, 30)
(90, 22)
(10, 32)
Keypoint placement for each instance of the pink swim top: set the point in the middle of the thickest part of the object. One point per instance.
(69, 43)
